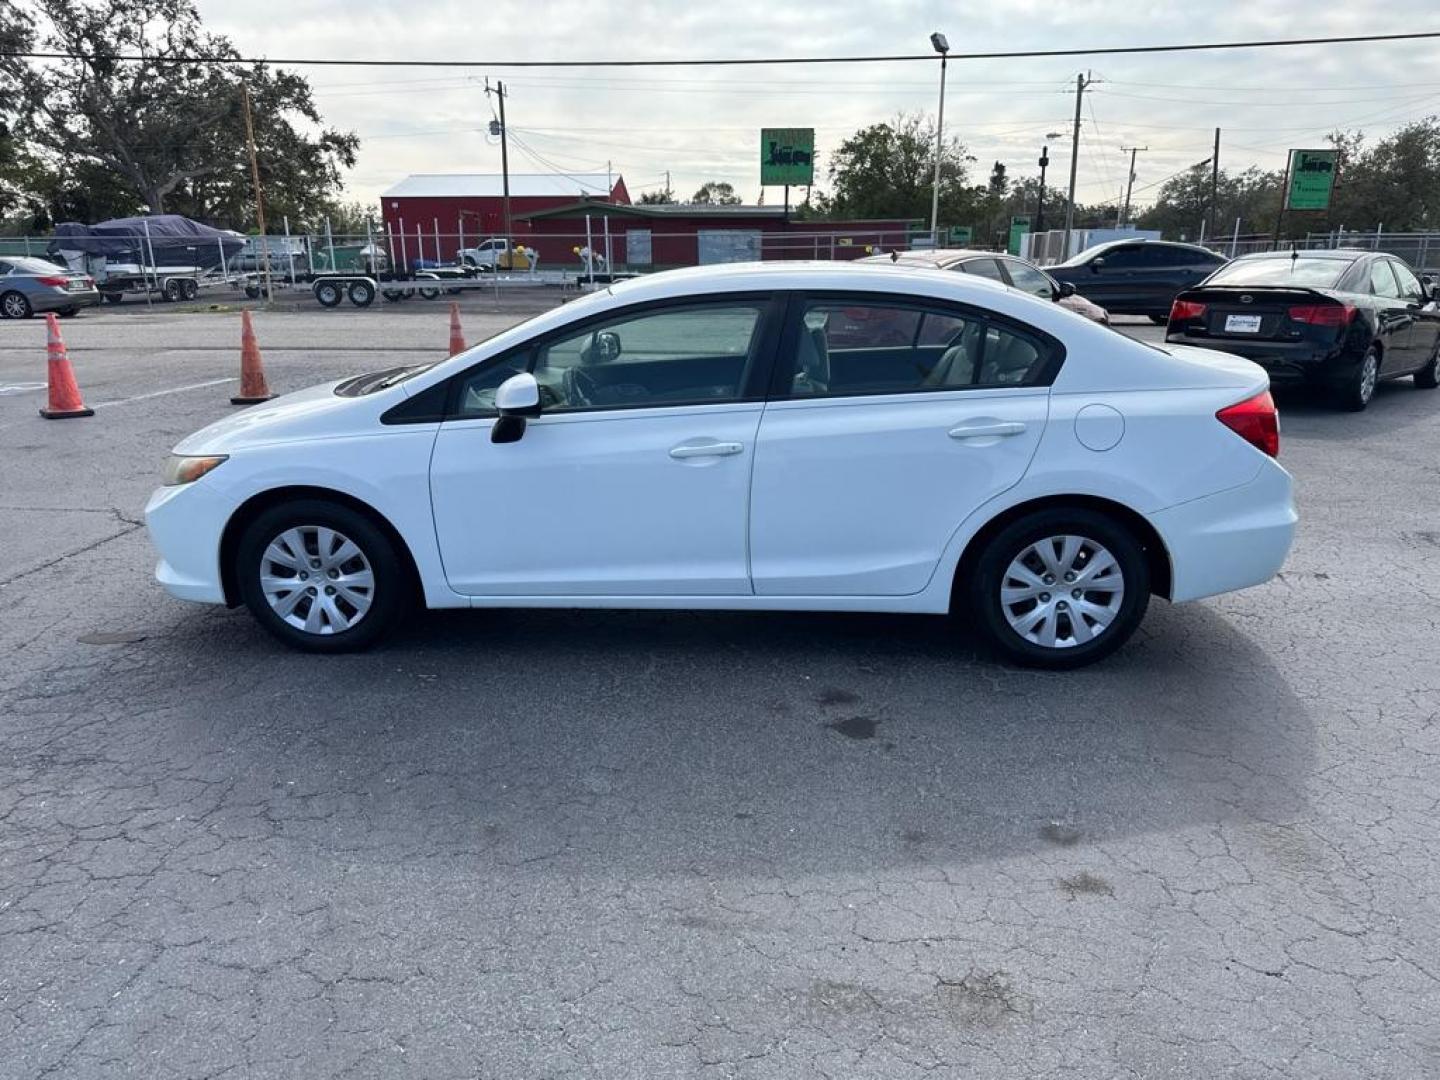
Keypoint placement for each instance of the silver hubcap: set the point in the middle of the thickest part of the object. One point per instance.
(14, 306)
(316, 579)
(1368, 374)
(1062, 591)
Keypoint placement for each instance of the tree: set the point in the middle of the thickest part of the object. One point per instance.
(715, 193)
(888, 171)
(659, 198)
(169, 135)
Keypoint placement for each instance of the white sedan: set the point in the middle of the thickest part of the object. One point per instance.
(777, 436)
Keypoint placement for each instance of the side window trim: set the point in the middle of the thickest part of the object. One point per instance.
(782, 373)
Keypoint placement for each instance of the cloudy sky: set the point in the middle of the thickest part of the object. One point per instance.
(702, 124)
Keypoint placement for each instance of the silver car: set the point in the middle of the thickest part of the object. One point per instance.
(30, 285)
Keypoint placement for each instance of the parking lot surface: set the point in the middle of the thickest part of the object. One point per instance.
(613, 844)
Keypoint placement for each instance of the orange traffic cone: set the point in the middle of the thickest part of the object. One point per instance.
(457, 336)
(253, 387)
(64, 393)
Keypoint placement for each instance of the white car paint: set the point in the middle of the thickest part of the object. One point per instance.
(839, 503)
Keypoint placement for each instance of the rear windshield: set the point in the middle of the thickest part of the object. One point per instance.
(1299, 271)
(30, 265)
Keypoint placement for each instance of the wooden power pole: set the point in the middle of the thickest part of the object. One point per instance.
(259, 194)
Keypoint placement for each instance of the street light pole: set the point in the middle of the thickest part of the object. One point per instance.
(1040, 207)
(942, 46)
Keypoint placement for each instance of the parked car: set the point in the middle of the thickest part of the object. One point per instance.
(1341, 319)
(29, 285)
(1006, 269)
(695, 439)
(497, 251)
(1137, 277)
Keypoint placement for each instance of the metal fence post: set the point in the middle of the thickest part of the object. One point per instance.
(1424, 250)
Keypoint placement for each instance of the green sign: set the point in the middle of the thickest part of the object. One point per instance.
(1019, 226)
(787, 156)
(1312, 176)
(960, 235)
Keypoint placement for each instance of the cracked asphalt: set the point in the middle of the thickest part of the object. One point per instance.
(626, 845)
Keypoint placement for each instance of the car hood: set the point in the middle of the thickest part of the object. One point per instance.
(315, 412)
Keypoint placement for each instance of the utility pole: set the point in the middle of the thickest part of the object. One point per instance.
(1284, 203)
(1081, 82)
(668, 193)
(1129, 182)
(504, 159)
(1040, 209)
(259, 195)
(1214, 186)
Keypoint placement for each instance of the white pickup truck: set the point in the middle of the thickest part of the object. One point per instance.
(496, 252)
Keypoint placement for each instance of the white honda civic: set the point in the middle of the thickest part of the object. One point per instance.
(751, 436)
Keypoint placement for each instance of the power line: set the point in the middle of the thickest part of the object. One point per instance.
(770, 61)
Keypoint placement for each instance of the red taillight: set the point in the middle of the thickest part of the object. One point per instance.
(1181, 310)
(57, 281)
(1322, 314)
(1256, 421)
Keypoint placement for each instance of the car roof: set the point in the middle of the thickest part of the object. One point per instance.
(1347, 254)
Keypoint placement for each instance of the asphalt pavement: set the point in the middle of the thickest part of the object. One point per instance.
(613, 844)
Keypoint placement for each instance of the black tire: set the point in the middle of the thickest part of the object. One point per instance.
(329, 293)
(68, 313)
(991, 567)
(252, 292)
(172, 290)
(1428, 377)
(1356, 393)
(14, 305)
(114, 297)
(1159, 320)
(189, 289)
(393, 296)
(362, 293)
(391, 597)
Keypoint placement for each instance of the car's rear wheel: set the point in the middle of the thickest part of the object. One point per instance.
(1158, 320)
(1060, 588)
(1428, 377)
(13, 305)
(1355, 394)
(320, 576)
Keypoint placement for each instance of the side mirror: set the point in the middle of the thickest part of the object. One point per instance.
(1097, 263)
(515, 399)
(604, 348)
(1067, 288)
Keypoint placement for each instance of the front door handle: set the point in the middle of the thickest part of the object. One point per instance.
(712, 449)
(987, 429)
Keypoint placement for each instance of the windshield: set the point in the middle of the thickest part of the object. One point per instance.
(1297, 271)
(31, 265)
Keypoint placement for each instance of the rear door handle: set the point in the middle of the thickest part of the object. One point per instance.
(987, 429)
(712, 449)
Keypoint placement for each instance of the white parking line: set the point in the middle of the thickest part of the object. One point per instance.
(20, 388)
(162, 393)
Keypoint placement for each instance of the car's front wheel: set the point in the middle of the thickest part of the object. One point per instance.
(320, 576)
(13, 305)
(1060, 588)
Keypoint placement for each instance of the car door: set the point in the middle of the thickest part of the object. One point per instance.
(1170, 270)
(1424, 329)
(1393, 318)
(635, 478)
(871, 454)
(1109, 278)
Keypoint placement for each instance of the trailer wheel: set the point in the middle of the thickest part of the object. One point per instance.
(362, 293)
(394, 296)
(189, 289)
(113, 297)
(171, 290)
(328, 293)
(252, 292)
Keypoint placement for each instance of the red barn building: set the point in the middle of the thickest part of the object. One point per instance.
(658, 237)
(472, 205)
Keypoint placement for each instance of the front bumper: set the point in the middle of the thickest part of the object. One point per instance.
(1230, 540)
(186, 522)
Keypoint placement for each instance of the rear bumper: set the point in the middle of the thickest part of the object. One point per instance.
(1284, 361)
(1230, 540)
(185, 523)
(54, 300)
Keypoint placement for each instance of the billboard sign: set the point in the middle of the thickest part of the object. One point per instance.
(787, 156)
(1019, 226)
(960, 235)
(1312, 177)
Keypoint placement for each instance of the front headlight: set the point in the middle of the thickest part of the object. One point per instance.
(182, 469)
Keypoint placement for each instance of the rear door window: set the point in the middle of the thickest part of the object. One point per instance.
(986, 268)
(1382, 279)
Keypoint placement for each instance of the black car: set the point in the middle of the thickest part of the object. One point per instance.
(1137, 277)
(1343, 319)
(1006, 269)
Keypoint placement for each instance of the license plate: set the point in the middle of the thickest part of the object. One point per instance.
(1242, 324)
(76, 286)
